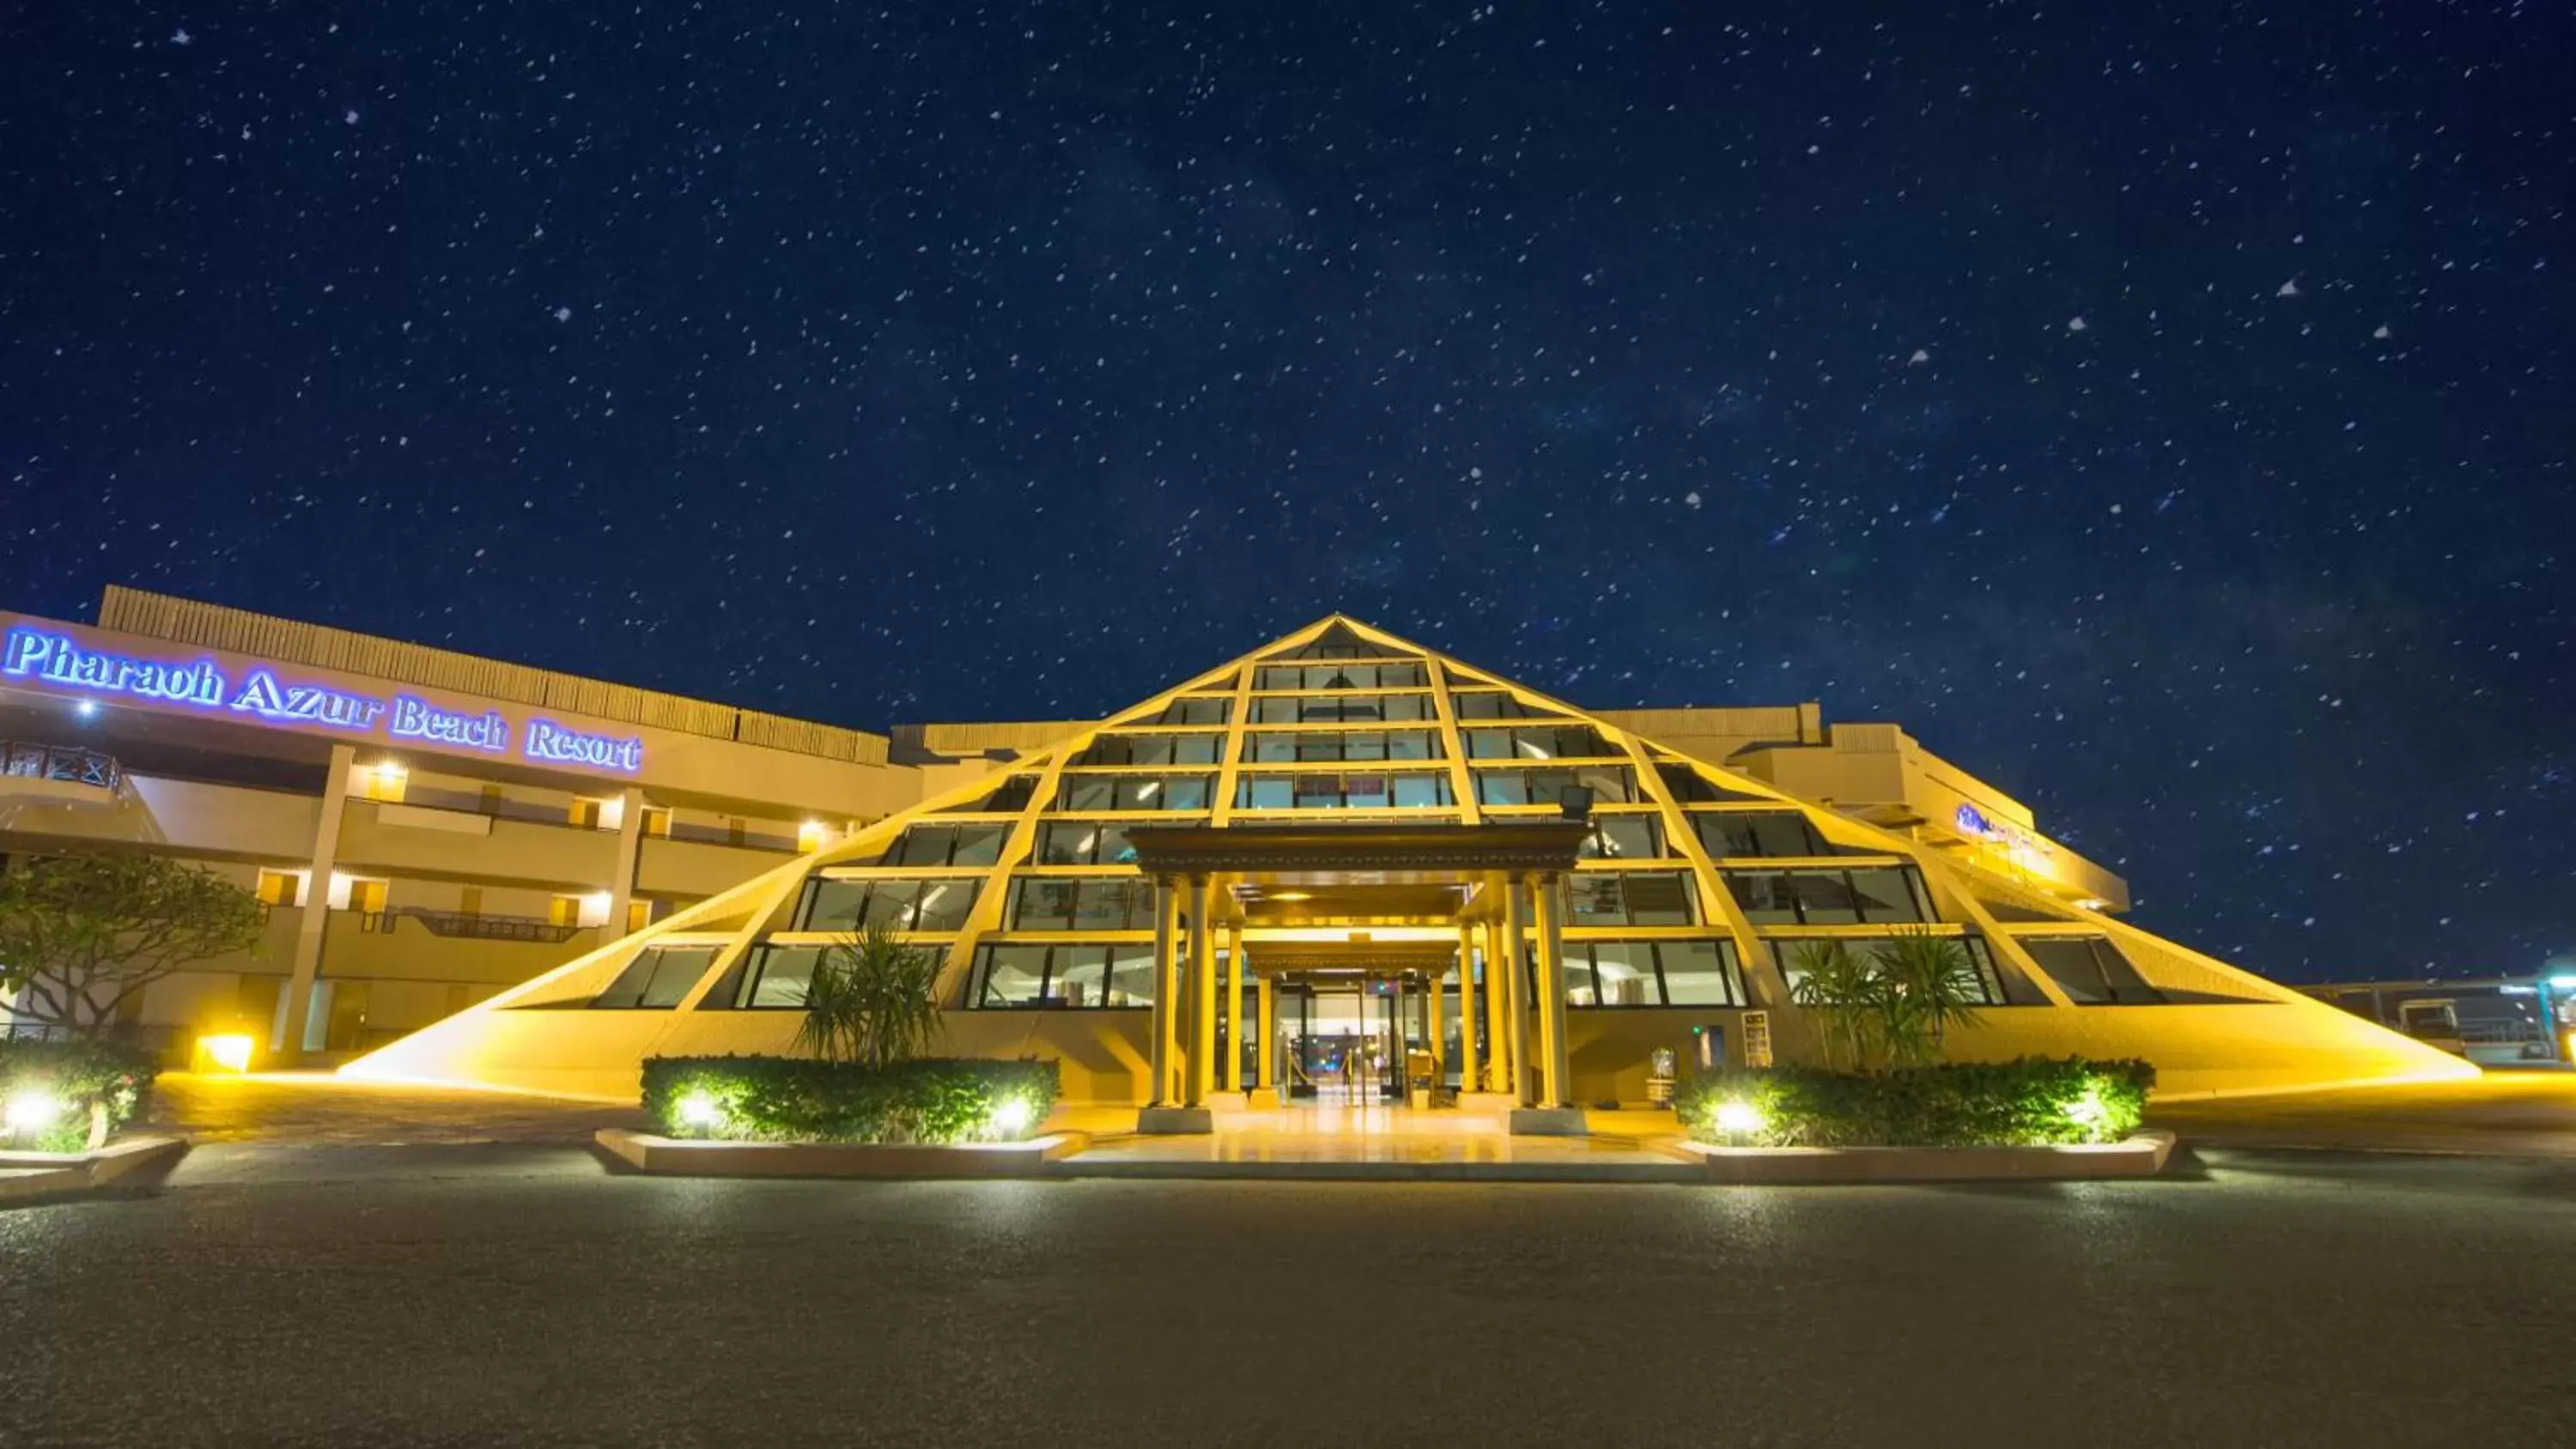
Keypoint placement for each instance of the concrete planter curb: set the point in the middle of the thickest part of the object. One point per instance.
(2142, 1155)
(25, 1176)
(681, 1157)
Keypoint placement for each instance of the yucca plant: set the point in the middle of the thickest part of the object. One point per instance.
(1841, 990)
(1928, 985)
(871, 1000)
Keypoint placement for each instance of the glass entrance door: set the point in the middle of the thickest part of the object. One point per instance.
(1342, 1042)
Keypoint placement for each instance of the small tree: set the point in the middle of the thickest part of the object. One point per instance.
(1841, 990)
(1928, 985)
(82, 934)
(871, 1000)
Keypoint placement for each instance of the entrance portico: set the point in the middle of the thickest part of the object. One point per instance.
(1384, 911)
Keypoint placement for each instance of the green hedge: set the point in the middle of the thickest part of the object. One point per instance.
(2031, 1102)
(799, 1099)
(82, 1076)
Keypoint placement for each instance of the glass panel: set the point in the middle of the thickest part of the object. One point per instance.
(1764, 896)
(1013, 976)
(1760, 833)
(1700, 973)
(1627, 973)
(1659, 898)
(1196, 710)
(1624, 837)
(1412, 745)
(1502, 788)
(1594, 899)
(1043, 905)
(1266, 792)
(1365, 792)
(2090, 970)
(783, 974)
(1609, 784)
(1319, 792)
(1081, 975)
(831, 905)
(1824, 898)
(943, 905)
(1422, 790)
(1887, 895)
(1579, 989)
(1131, 974)
(1088, 792)
(657, 978)
(1069, 842)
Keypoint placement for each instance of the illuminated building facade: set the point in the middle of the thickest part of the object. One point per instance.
(423, 828)
(1345, 867)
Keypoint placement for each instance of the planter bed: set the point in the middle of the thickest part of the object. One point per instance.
(694, 1157)
(2141, 1155)
(29, 1175)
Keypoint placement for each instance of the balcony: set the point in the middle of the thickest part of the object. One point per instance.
(411, 946)
(415, 840)
(62, 764)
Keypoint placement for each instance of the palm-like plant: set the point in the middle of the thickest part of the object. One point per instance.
(1927, 986)
(871, 999)
(1842, 991)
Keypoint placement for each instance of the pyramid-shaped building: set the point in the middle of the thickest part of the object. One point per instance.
(1387, 864)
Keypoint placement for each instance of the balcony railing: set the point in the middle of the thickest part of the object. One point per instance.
(477, 927)
(31, 760)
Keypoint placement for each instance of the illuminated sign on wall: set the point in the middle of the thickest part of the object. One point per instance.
(1973, 822)
(60, 659)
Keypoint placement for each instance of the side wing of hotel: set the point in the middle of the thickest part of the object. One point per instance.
(1341, 837)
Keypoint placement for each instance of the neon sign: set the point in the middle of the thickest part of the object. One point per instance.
(60, 659)
(1973, 822)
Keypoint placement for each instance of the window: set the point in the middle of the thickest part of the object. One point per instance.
(1059, 903)
(1624, 837)
(280, 888)
(1151, 750)
(1830, 897)
(1689, 787)
(1084, 842)
(1406, 675)
(1629, 898)
(1011, 796)
(1495, 706)
(1792, 953)
(948, 845)
(1652, 973)
(1352, 708)
(904, 905)
(1609, 784)
(1343, 745)
(767, 978)
(2091, 971)
(656, 979)
(1197, 709)
(1073, 976)
(1739, 833)
(1539, 742)
(1342, 790)
(1079, 793)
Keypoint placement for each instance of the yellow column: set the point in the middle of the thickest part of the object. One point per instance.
(1439, 1049)
(1167, 997)
(1266, 1053)
(1468, 1080)
(1516, 989)
(1547, 915)
(1234, 1033)
(1202, 992)
(1498, 1012)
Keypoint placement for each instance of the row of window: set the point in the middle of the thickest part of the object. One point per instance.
(1344, 790)
(1866, 897)
(898, 904)
(1217, 709)
(2090, 969)
(1402, 675)
(1528, 742)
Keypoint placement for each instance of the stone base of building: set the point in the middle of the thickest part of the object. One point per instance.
(1173, 1121)
(1548, 1122)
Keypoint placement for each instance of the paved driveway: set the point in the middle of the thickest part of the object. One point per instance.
(2509, 1113)
(318, 1108)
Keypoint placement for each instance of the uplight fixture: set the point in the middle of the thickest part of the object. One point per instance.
(1010, 1117)
(229, 1050)
(700, 1111)
(30, 1110)
(1739, 1119)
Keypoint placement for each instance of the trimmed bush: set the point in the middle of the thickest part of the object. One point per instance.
(2036, 1101)
(937, 1100)
(100, 1086)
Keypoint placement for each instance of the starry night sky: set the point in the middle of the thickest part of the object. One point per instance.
(2163, 412)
